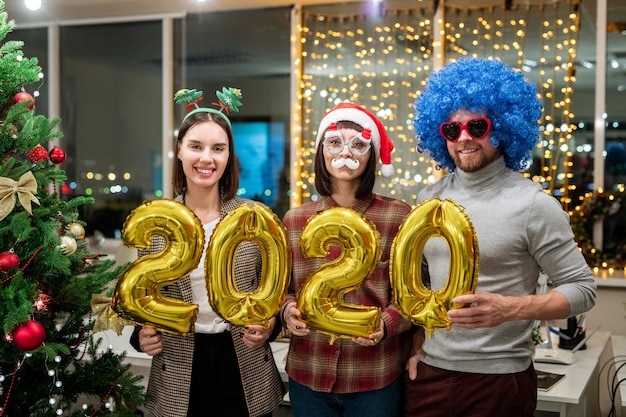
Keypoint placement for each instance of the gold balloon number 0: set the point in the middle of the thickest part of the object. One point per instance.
(433, 218)
(137, 294)
(320, 298)
(248, 223)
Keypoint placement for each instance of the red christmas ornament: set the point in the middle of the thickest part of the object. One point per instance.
(29, 335)
(24, 96)
(8, 260)
(38, 153)
(57, 155)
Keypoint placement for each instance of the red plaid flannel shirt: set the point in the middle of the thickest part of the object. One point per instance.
(344, 366)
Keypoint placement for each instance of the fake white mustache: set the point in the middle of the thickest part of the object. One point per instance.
(347, 162)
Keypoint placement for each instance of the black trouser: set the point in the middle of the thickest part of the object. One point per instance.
(216, 389)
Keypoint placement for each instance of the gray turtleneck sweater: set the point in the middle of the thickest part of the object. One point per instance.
(521, 231)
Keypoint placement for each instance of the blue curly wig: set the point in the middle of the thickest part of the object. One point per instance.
(480, 84)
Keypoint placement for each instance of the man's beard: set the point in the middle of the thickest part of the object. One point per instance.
(476, 163)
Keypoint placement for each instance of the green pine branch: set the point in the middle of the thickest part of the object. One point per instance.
(50, 285)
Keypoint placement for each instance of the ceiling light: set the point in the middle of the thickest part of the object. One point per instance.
(586, 64)
(33, 4)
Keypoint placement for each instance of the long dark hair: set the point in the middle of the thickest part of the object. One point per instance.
(323, 177)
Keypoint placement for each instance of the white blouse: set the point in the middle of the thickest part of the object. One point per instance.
(208, 321)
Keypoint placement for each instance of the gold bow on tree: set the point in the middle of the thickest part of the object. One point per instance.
(106, 318)
(25, 188)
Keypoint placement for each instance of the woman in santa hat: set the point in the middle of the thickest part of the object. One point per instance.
(358, 376)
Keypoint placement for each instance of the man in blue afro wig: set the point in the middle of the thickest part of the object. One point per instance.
(485, 85)
(478, 118)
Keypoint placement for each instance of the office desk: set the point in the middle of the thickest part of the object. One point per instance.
(577, 394)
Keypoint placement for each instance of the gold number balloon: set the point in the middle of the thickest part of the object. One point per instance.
(433, 218)
(254, 223)
(137, 295)
(320, 298)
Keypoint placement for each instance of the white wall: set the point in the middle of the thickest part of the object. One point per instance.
(610, 310)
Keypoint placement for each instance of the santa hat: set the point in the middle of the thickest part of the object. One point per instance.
(373, 130)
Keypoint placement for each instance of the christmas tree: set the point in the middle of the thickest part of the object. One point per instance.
(49, 363)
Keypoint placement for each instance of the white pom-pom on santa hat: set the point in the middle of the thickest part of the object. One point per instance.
(347, 111)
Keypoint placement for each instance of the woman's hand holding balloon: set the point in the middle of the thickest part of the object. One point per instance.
(373, 338)
(291, 318)
(255, 335)
(150, 341)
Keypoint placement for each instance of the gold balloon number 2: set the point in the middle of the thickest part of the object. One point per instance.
(137, 294)
(433, 218)
(320, 298)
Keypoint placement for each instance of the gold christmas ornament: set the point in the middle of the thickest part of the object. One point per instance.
(76, 229)
(68, 245)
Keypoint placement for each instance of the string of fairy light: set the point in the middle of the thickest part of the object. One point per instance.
(56, 386)
(382, 61)
(561, 40)
(374, 61)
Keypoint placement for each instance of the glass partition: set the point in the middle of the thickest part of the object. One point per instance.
(249, 50)
(111, 117)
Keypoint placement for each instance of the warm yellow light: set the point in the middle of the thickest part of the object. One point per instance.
(376, 70)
